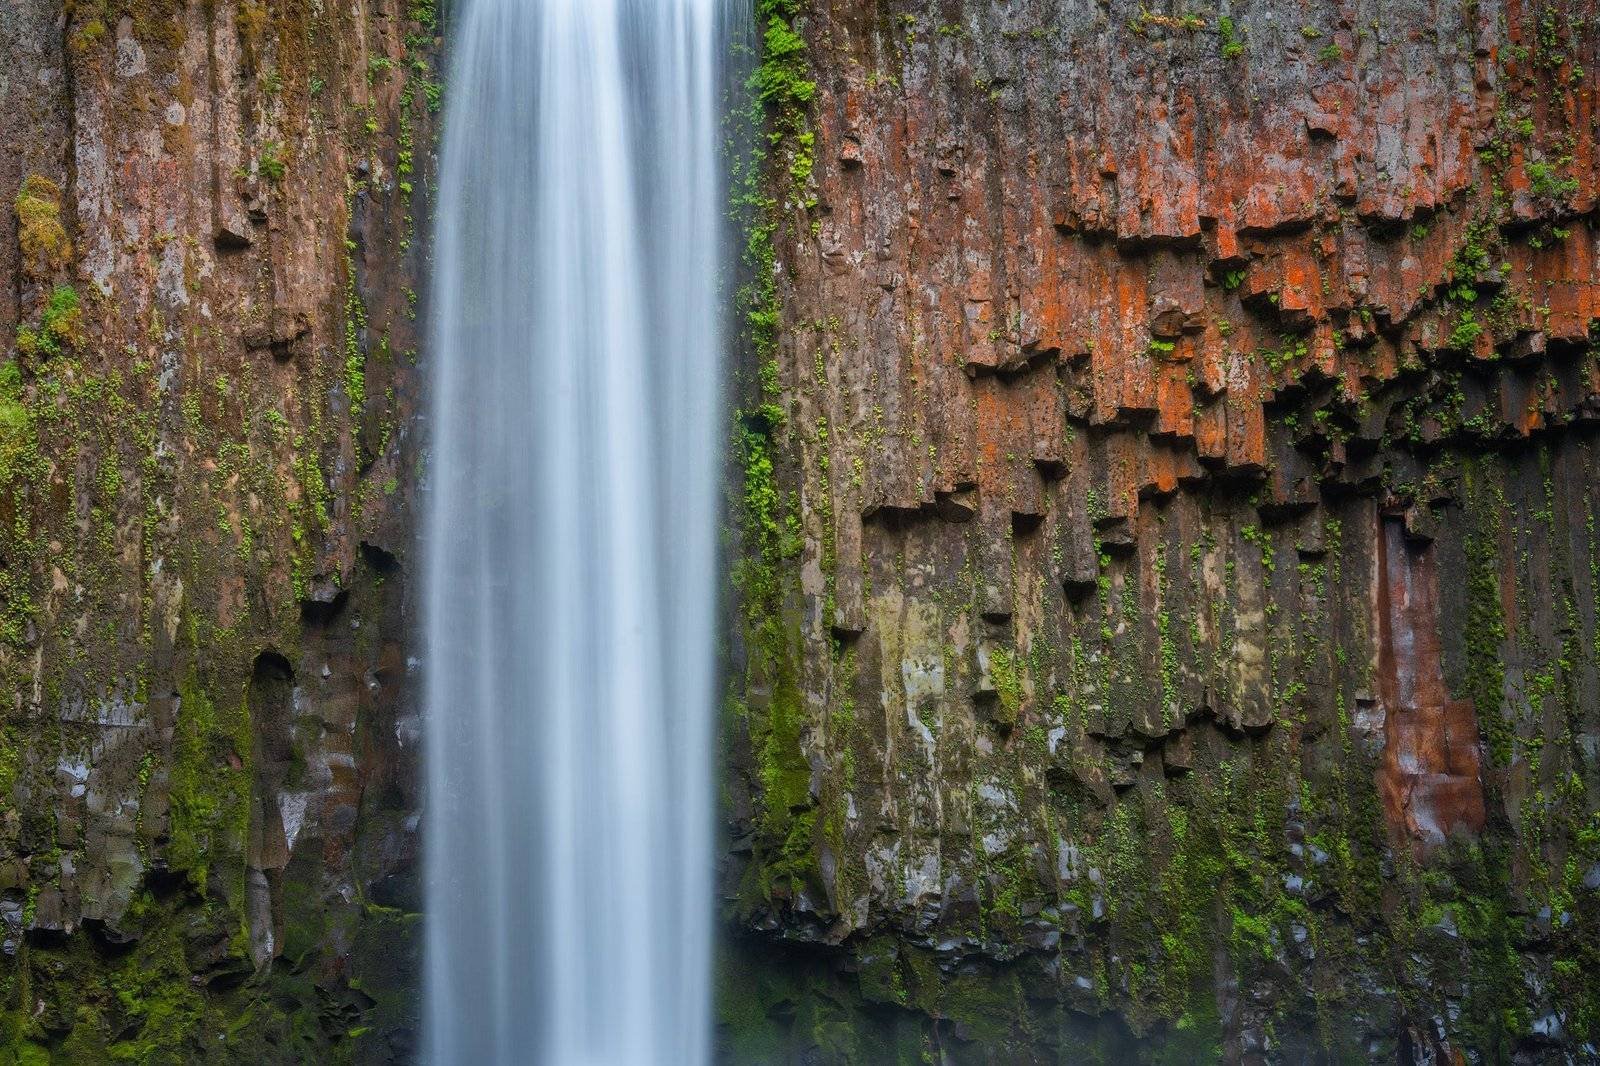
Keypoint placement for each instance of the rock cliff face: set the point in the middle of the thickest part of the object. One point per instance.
(211, 253)
(1165, 552)
(1169, 562)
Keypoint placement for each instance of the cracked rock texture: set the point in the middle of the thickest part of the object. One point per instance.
(1165, 551)
(207, 821)
(1169, 542)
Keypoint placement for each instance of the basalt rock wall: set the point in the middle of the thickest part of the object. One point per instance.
(211, 246)
(1162, 525)
(1167, 492)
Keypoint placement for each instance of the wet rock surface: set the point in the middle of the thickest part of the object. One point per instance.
(1166, 566)
(211, 248)
(1173, 486)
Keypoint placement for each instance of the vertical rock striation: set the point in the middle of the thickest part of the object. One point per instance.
(210, 242)
(1170, 560)
(1166, 567)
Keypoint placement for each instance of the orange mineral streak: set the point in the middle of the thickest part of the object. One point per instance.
(1429, 777)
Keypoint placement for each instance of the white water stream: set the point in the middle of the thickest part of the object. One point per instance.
(570, 535)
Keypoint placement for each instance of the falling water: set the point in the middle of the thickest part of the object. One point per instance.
(571, 534)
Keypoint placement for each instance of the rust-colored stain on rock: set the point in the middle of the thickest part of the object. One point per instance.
(1429, 778)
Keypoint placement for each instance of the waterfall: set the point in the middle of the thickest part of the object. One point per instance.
(571, 534)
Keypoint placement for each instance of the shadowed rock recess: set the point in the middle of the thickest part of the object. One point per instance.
(1162, 525)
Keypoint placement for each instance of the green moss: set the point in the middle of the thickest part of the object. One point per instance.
(785, 774)
(270, 164)
(209, 787)
(154, 994)
(40, 234)
(1231, 46)
(1172, 711)
(1466, 332)
(23, 469)
(1495, 1016)
(1003, 668)
(85, 37)
(60, 326)
(17, 438)
(782, 85)
(1485, 634)
(772, 708)
(1546, 180)
(186, 991)
(355, 358)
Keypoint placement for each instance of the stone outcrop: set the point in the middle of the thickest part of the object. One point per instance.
(1165, 561)
(1172, 483)
(211, 246)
